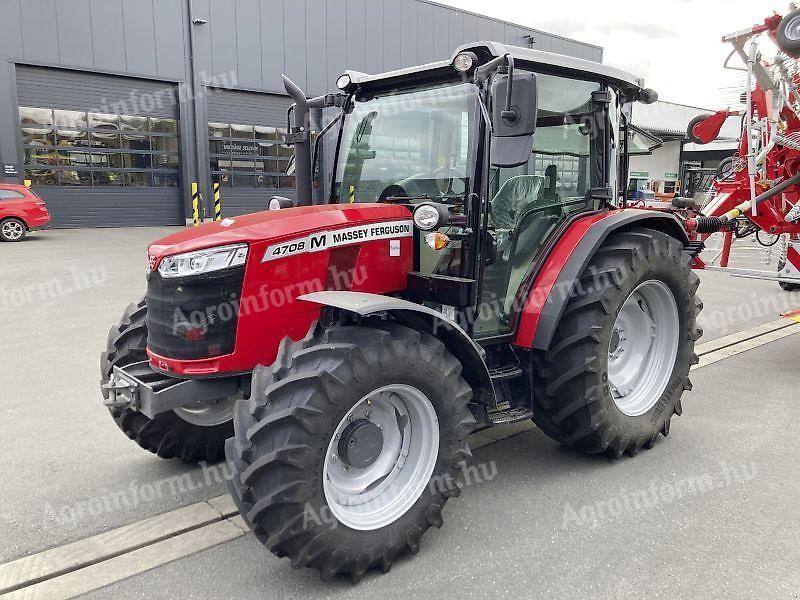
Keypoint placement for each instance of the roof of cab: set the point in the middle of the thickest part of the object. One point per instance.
(522, 56)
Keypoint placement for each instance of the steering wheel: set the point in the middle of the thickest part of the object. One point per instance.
(438, 179)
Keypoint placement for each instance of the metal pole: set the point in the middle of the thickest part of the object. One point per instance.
(196, 199)
(217, 202)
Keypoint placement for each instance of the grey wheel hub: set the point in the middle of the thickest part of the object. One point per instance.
(207, 414)
(13, 230)
(643, 348)
(381, 457)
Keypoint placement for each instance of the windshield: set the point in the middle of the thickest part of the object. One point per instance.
(409, 143)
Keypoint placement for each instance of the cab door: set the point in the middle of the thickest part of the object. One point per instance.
(528, 203)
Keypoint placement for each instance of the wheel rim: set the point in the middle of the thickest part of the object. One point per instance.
(643, 348)
(373, 481)
(792, 29)
(207, 414)
(13, 230)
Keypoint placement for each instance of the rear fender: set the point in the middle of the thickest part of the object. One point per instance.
(417, 316)
(553, 286)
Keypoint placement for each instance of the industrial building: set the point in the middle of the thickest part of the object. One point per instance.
(112, 108)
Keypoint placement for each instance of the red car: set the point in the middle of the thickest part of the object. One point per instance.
(21, 211)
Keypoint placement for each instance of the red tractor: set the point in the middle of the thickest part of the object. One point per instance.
(473, 265)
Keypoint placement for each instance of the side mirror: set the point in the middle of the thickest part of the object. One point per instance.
(513, 119)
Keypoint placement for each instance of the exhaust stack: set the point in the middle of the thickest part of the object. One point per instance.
(298, 136)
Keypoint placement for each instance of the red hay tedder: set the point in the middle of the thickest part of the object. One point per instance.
(756, 191)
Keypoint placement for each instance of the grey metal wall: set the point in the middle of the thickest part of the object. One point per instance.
(313, 41)
(246, 44)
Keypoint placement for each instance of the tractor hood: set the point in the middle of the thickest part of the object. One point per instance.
(274, 225)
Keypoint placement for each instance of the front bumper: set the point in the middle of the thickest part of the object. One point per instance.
(138, 387)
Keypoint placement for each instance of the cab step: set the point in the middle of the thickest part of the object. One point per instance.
(504, 373)
(509, 415)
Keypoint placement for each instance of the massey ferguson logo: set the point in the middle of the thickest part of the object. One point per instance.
(151, 263)
(323, 240)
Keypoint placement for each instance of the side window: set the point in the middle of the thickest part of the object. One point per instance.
(528, 202)
(10, 195)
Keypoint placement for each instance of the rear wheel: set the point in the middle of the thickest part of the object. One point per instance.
(621, 355)
(351, 444)
(194, 432)
(12, 230)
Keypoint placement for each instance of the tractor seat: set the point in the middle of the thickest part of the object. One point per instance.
(513, 198)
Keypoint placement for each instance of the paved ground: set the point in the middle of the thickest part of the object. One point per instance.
(717, 515)
(61, 290)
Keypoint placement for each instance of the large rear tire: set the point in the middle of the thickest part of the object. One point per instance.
(637, 295)
(169, 434)
(295, 480)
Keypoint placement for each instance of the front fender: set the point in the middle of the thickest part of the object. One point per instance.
(457, 341)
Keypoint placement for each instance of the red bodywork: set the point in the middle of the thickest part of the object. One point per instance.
(29, 208)
(548, 275)
(269, 309)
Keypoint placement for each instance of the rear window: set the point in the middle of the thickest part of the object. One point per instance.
(10, 195)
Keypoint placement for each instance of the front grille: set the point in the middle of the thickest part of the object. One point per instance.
(193, 317)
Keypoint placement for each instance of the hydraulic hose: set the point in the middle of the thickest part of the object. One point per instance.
(703, 224)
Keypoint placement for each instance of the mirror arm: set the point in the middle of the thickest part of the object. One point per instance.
(509, 115)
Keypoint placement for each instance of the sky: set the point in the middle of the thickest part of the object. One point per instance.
(674, 44)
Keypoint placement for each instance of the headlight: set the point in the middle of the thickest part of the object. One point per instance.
(464, 61)
(203, 261)
(431, 215)
(344, 81)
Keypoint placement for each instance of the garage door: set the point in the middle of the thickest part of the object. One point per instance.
(246, 148)
(101, 150)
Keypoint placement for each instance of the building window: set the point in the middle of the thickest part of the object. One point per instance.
(249, 156)
(77, 148)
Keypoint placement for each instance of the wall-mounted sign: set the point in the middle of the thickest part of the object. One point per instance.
(640, 174)
(671, 175)
(10, 170)
(240, 147)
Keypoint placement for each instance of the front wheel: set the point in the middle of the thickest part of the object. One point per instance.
(620, 359)
(350, 445)
(196, 432)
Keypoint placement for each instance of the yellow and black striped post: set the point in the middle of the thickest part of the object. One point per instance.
(217, 203)
(195, 205)
(27, 183)
(352, 195)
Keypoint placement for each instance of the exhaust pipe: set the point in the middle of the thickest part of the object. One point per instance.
(298, 136)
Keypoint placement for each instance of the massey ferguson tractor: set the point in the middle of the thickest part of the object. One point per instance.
(756, 191)
(473, 265)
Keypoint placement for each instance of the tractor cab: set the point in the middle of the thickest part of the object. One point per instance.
(495, 150)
